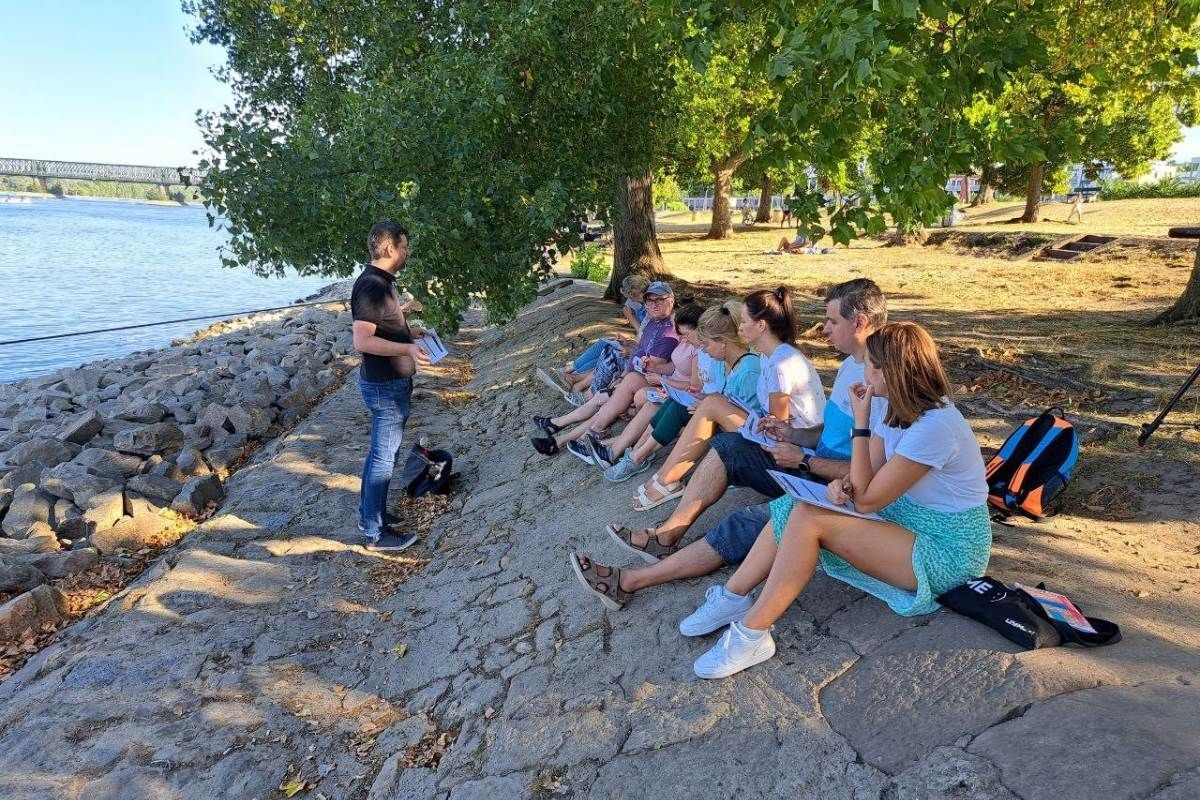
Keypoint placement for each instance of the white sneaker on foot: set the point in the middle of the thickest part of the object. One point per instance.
(738, 649)
(719, 608)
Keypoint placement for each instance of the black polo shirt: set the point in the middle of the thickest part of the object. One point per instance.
(374, 299)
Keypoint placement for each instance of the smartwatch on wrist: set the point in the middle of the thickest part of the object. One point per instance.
(806, 464)
(857, 432)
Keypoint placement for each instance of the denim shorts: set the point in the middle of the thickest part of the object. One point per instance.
(746, 463)
(735, 535)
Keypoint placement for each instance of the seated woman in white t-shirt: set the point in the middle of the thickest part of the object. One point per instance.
(916, 463)
(789, 389)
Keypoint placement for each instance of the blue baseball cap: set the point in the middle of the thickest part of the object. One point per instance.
(660, 288)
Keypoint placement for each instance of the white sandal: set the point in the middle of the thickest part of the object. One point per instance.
(668, 493)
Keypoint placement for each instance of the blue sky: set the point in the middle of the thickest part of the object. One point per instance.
(103, 80)
(118, 81)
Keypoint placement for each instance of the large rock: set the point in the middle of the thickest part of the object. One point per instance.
(29, 418)
(131, 533)
(42, 450)
(40, 539)
(236, 419)
(75, 482)
(197, 493)
(82, 381)
(38, 607)
(155, 487)
(16, 577)
(161, 437)
(81, 428)
(145, 412)
(109, 462)
(60, 564)
(28, 506)
(103, 510)
(190, 461)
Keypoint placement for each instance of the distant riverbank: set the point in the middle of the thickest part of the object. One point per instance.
(49, 196)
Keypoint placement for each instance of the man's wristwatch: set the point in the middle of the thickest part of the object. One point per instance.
(806, 464)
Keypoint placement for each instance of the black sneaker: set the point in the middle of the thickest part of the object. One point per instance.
(579, 449)
(392, 542)
(601, 455)
(548, 427)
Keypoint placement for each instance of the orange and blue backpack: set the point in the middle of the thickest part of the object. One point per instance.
(1033, 466)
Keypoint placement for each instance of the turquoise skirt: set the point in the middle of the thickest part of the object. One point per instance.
(950, 548)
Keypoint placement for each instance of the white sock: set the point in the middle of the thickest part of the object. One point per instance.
(749, 633)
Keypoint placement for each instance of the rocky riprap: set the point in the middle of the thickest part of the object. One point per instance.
(122, 454)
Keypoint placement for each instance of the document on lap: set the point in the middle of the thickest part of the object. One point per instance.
(431, 343)
(750, 431)
(813, 493)
(679, 396)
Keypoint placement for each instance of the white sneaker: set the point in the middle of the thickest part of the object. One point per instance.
(718, 610)
(734, 652)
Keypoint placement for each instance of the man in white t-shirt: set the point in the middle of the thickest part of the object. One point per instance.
(854, 310)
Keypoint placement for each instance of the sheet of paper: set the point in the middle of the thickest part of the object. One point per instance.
(750, 431)
(431, 343)
(679, 396)
(1059, 606)
(813, 493)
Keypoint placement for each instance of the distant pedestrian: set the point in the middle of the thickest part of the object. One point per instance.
(1076, 211)
(785, 216)
(389, 360)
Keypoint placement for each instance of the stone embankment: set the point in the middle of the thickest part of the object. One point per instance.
(121, 455)
(267, 655)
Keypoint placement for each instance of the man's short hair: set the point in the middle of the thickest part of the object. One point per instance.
(382, 233)
(860, 296)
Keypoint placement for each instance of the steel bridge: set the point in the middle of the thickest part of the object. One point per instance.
(43, 170)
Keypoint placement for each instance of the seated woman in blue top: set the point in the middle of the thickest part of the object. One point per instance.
(916, 463)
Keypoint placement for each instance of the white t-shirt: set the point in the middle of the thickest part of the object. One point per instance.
(941, 439)
(787, 371)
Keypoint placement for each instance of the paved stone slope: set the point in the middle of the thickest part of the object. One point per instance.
(267, 652)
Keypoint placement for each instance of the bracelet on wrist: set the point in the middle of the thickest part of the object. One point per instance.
(860, 433)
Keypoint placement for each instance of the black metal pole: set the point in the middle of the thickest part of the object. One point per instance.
(1149, 428)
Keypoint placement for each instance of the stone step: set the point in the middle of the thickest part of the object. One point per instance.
(1081, 246)
(1054, 254)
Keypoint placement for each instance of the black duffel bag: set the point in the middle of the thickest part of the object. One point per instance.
(427, 471)
(1018, 617)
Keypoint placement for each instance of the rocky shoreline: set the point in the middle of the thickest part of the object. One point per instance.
(123, 455)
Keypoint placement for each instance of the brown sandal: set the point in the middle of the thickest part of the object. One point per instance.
(651, 552)
(606, 587)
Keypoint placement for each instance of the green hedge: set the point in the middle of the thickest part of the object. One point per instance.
(1168, 187)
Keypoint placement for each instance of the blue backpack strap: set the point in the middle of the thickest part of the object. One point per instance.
(1061, 427)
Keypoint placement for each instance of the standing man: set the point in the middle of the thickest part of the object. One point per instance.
(389, 361)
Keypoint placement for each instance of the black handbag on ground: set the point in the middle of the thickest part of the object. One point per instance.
(427, 471)
(1019, 617)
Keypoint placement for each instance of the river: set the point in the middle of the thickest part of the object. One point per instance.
(73, 265)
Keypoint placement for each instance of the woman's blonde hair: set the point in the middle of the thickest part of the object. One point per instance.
(720, 323)
(916, 381)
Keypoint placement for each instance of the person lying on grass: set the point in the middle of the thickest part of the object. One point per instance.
(789, 389)
(915, 463)
(576, 376)
(653, 354)
(853, 311)
(684, 360)
(717, 333)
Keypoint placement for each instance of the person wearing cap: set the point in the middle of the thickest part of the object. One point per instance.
(653, 354)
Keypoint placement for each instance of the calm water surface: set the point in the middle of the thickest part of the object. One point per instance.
(72, 265)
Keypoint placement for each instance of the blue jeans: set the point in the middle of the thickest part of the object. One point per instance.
(588, 358)
(735, 535)
(389, 404)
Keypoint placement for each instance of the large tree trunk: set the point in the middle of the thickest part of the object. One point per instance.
(635, 241)
(987, 187)
(1033, 194)
(722, 215)
(764, 200)
(1187, 307)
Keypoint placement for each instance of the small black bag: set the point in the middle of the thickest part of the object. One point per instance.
(1018, 617)
(427, 471)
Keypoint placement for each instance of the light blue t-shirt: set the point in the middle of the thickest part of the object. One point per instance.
(638, 309)
(839, 419)
(742, 382)
(712, 371)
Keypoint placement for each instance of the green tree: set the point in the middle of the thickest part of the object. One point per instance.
(486, 128)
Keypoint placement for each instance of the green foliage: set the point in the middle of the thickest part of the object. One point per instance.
(598, 273)
(667, 193)
(486, 129)
(587, 259)
(1130, 190)
(17, 183)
